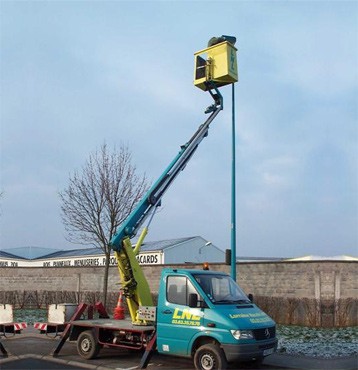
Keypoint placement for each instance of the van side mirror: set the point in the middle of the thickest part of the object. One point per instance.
(193, 300)
(251, 297)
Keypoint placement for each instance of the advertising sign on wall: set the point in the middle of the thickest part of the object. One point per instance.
(150, 258)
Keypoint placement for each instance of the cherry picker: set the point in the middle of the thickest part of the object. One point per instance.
(201, 314)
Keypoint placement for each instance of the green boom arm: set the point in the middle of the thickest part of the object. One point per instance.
(134, 284)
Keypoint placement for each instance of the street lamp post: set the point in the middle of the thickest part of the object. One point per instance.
(216, 66)
(233, 191)
(205, 245)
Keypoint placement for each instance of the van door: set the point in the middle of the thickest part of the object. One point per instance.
(177, 323)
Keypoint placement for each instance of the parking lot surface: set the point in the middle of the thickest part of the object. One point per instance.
(31, 350)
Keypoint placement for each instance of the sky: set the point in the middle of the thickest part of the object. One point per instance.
(77, 74)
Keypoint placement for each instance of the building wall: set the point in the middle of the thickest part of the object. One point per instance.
(321, 286)
(323, 279)
(195, 251)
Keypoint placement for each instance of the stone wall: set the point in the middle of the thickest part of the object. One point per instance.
(315, 293)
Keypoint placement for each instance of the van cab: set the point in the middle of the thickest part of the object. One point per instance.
(206, 315)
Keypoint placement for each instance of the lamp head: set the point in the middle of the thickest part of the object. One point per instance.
(217, 40)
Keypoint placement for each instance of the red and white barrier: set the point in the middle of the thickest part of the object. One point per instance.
(19, 326)
(40, 325)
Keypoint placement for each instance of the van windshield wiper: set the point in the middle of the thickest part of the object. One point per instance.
(234, 301)
(242, 301)
(225, 301)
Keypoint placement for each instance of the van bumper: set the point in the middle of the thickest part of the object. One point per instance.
(242, 352)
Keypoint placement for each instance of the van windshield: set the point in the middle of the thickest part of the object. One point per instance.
(221, 289)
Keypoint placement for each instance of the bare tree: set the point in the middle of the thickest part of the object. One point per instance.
(99, 198)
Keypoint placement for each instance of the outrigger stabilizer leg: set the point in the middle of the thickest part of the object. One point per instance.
(3, 350)
(152, 345)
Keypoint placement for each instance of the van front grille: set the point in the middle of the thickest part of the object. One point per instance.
(265, 333)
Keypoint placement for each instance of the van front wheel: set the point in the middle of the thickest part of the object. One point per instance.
(210, 357)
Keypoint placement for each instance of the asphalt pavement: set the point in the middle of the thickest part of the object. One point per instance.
(31, 350)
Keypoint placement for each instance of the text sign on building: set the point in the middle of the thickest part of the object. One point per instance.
(87, 261)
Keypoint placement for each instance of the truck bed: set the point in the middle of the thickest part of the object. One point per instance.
(114, 324)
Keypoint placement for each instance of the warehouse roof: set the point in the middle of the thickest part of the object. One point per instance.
(4, 254)
(35, 253)
(320, 258)
(32, 253)
(29, 253)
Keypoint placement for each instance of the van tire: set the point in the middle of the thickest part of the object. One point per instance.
(210, 357)
(87, 346)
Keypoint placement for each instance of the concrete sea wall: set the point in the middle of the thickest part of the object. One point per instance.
(313, 293)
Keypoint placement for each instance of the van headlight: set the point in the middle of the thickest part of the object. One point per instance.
(242, 334)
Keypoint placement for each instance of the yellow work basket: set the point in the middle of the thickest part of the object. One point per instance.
(217, 63)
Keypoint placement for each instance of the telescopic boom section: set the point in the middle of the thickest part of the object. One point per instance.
(134, 284)
(152, 198)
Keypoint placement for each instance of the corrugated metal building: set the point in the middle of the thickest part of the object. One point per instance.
(181, 250)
